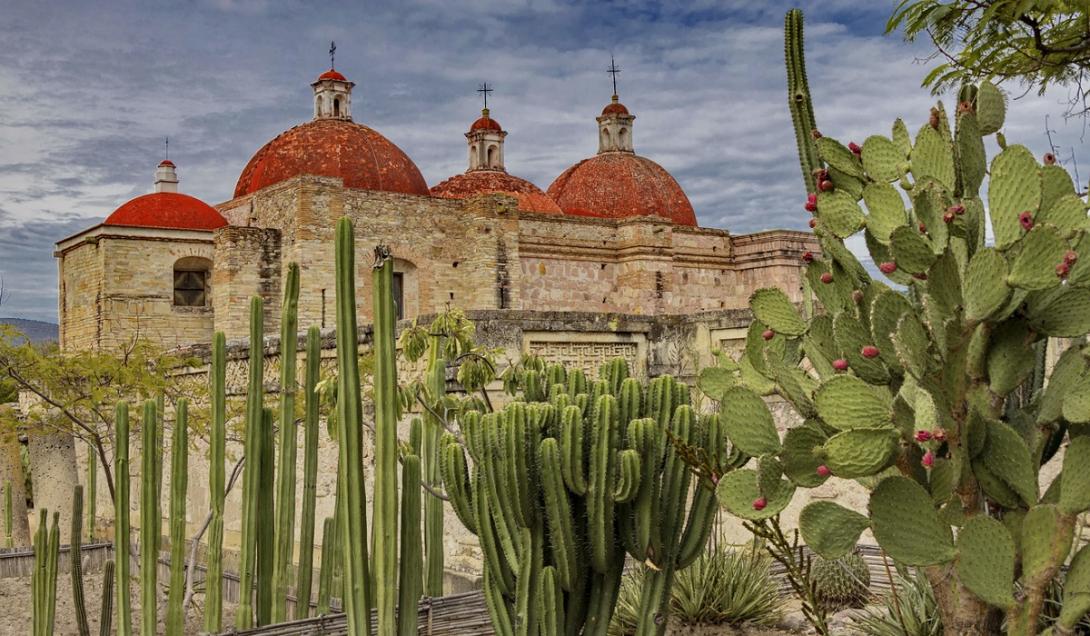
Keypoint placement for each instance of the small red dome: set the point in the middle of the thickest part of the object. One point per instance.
(360, 156)
(167, 162)
(619, 185)
(615, 108)
(530, 197)
(486, 123)
(167, 210)
(332, 75)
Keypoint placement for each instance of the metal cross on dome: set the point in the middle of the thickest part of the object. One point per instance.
(485, 90)
(613, 70)
(332, 54)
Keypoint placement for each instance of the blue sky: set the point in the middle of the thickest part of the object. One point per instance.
(89, 90)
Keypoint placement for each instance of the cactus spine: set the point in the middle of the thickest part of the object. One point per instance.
(213, 595)
(150, 523)
(385, 383)
(244, 616)
(106, 614)
(179, 476)
(353, 519)
(310, 474)
(75, 561)
(122, 527)
(285, 497)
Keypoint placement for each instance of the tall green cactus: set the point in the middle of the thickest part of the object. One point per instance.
(310, 473)
(251, 474)
(329, 556)
(798, 98)
(9, 518)
(353, 519)
(106, 615)
(917, 394)
(429, 455)
(47, 543)
(213, 586)
(75, 561)
(92, 492)
(411, 560)
(558, 493)
(266, 521)
(385, 389)
(150, 522)
(179, 478)
(122, 525)
(285, 487)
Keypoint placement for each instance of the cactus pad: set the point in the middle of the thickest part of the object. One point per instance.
(986, 287)
(846, 402)
(972, 161)
(737, 491)
(991, 108)
(860, 452)
(1065, 376)
(911, 250)
(1055, 183)
(1076, 404)
(932, 157)
(1046, 539)
(1035, 266)
(1065, 315)
(886, 210)
(906, 524)
(882, 159)
(839, 157)
(1007, 456)
(748, 422)
(912, 343)
(1067, 214)
(714, 381)
(986, 560)
(839, 213)
(830, 529)
(1076, 601)
(1015, 188)
(772, 307)
(842, 582)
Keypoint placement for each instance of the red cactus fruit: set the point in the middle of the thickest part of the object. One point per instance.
(816, 134)
(934, 119)
(840, 364)
(768, 334)
(759, 503)
(869, 351)
(813, 223)
(1071, 256)
(923, 436)
(956, 209)
(1026, 219)
(810, 206)
(854, 147)
(888, 267)
(823, 471)
(1062, 270)
(928, 459)
(827, 277)
(965, 107)
(808, 257)
(939, 434)
(1050, 159)
(923, 228)
(948, 217)
(826, 186)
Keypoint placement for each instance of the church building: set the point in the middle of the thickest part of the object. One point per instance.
(614, 234)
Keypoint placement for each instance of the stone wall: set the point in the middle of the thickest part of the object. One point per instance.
(118, 283)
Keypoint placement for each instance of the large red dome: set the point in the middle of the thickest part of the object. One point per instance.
(167, 210)
(530, 197)
(339, 148)
(620, 185)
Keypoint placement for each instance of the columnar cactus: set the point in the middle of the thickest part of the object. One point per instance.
(285, 487)
(798, 99)
(9, 520)
(47, 543)
(244, 616)
(266, 521)
(558, 493)
(411, 561)
(213, 585)
(385, 390)
(122, 525)
(330, 553)
(179, 477)
(429, 455)
(353, 519)
(912, 392)
(310, 473)
(75, 561)
(106, 615)
(92, 492)
(150, 522)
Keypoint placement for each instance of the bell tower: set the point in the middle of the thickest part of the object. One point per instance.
(332, 92)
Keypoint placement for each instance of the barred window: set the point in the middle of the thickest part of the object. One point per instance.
(399, 295)
(191, 278)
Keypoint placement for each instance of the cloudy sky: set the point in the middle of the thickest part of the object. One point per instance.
(88, 91)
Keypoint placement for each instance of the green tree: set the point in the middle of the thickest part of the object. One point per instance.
(1034, 43)
(75, 392)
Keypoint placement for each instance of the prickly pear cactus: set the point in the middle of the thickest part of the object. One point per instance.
(924, 380)
(840, 583)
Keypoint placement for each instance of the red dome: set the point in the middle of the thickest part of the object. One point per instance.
(615, 108)
(168, 210)
(167, 162)
(363, 158)
(332, 75)
(619, 185)
(530, 197)
(486, 123)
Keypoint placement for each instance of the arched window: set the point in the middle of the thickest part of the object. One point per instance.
(622, 136)
(336, 107)
(191, 282)
(318, 105)
(491, 157)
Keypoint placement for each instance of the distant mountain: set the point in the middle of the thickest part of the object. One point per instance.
(36, 330)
